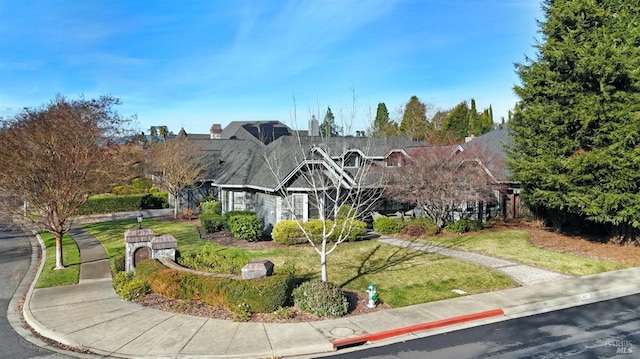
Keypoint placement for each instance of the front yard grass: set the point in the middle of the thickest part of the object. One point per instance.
(70, 257)
(403, 277)
(513, 245)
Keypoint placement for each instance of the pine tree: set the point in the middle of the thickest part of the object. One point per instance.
(576, 129)
(328, 127)
(457, 122)
(414, 123)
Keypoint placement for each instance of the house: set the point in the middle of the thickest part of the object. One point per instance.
(265, 167)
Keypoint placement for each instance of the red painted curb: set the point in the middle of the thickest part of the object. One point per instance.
(415, 328)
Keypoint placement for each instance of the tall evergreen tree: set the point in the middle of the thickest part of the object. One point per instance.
(383, 126)
(328, 127)
(576, 129)
(414, 123)
(457, 122)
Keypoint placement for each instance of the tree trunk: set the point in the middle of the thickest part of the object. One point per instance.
(323, 263)
(176, 198)
(59, 262)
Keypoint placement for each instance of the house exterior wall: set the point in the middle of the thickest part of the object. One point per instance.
(265, 207)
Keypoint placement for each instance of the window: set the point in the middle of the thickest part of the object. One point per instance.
(395, 159)
(352, 160)
(238, 201)
(298, 206)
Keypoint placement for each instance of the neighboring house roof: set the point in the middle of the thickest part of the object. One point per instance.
(495, 142)
(245, 157)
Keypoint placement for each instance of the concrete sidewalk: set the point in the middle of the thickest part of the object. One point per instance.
(521, 273)
(92, 317)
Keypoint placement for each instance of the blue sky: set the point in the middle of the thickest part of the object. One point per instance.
(194, 63)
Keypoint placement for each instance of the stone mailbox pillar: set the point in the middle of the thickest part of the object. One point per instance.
(144, 244)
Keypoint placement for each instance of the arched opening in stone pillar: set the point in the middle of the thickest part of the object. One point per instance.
(140, 254)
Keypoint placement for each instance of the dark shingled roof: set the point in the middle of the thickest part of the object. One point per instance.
(240, 158)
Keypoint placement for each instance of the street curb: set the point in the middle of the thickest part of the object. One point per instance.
(371, 337)
(29, 317)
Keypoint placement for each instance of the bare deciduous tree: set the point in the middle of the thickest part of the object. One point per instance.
(176, 165)
(57, 155)
(332, 173)
(440, 179)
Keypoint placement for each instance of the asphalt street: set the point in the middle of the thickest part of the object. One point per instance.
(608, 329)
(15, 254)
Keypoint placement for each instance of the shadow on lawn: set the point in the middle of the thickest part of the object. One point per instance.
(370, 263)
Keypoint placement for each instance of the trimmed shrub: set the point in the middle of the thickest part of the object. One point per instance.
(226, 217)
(247, 226)
(463, 226)
(224, 260)
(119, 262)
(287, 232)
(211, 207)
(346, 211)
(261, 295)
(349, 229)
(148, 266)
(386, 225)
(459, 227)
(474, 225)
(211, 222)
(314, 229)
(322, 299)
(129, 287)
(109, 203)
(165, 282)
(416, 227)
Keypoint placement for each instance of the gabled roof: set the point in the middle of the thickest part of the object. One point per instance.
(240, 158)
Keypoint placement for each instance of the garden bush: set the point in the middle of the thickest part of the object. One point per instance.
(463, 226)
(211, 207)
(109, 203)
(386, 225)
(119, 262)
(129, 287)
(322, 299)
(211, 222)
(416, 227)
(260, 295)
(148, 266)
(288, 232)
(247, 226)
(221, 260)
(350, 229)
(226, 217)
(346, 211)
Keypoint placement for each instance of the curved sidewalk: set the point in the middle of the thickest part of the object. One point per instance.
(521, 273)
(91, 316)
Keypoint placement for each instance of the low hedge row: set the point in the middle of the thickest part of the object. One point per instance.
(289, 232)
(412, 227)
(260, 295)
(110, 203)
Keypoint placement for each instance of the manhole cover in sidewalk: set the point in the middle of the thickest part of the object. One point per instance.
(342, 332)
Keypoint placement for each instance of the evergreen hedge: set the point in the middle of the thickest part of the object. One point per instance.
(110, 203)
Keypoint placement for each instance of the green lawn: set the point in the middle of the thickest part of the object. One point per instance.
(70, 257)
(403, 277)
(513, 245)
